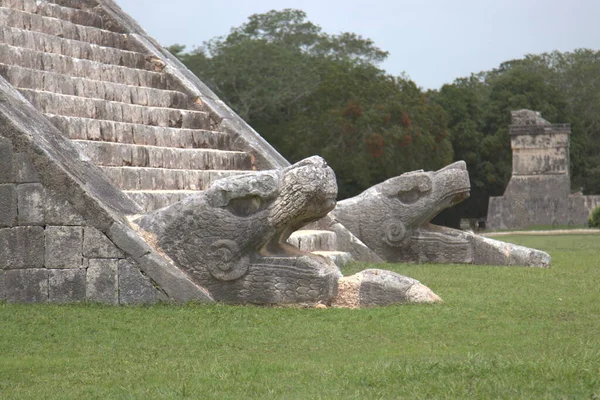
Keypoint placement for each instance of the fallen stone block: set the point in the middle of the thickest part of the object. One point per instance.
(376, 287)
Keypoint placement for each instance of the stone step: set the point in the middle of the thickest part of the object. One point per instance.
(65, 29)
(73, 48)
(29, 6)
(156, 199)
(131, 155)
(339, 258)
(47, 9)
(81, 4)
(120, 132)
(73, 106)
(313, 240)
(26, 58)
(137, 178)
(25, 78)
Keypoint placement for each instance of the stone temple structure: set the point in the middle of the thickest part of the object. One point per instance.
(539, 190)
(100, 127)
(125, 180)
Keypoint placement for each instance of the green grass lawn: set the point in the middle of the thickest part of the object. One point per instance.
(502, 332)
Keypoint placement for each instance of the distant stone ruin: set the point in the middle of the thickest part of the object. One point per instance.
(539, 190)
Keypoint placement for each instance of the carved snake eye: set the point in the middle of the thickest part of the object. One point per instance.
(408, 188)
(409, 196)
(245, 206)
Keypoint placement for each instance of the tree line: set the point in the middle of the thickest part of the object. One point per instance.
(308, 92)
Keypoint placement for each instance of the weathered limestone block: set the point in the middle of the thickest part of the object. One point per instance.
(8, 205)
(25, 170)
(59, 211)
(134, 287)
(67, 285)
(30, 204)
(97, 245)
(392, 218)
(102, 281)
(22, 247)
(232, 237)
(64, 247)
(26, 285)
(6, 162)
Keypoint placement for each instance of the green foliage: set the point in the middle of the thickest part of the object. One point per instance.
(594, 219)
(502, 332)
(307, 92)
(564, 87)
(479, 108)
(289, 28)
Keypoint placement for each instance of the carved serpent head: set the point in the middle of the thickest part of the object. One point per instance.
(231, 237)
(387, 216)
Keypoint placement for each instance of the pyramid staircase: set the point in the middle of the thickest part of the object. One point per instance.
(121, 101)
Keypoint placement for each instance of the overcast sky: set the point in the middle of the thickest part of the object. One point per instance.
(433, 41)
